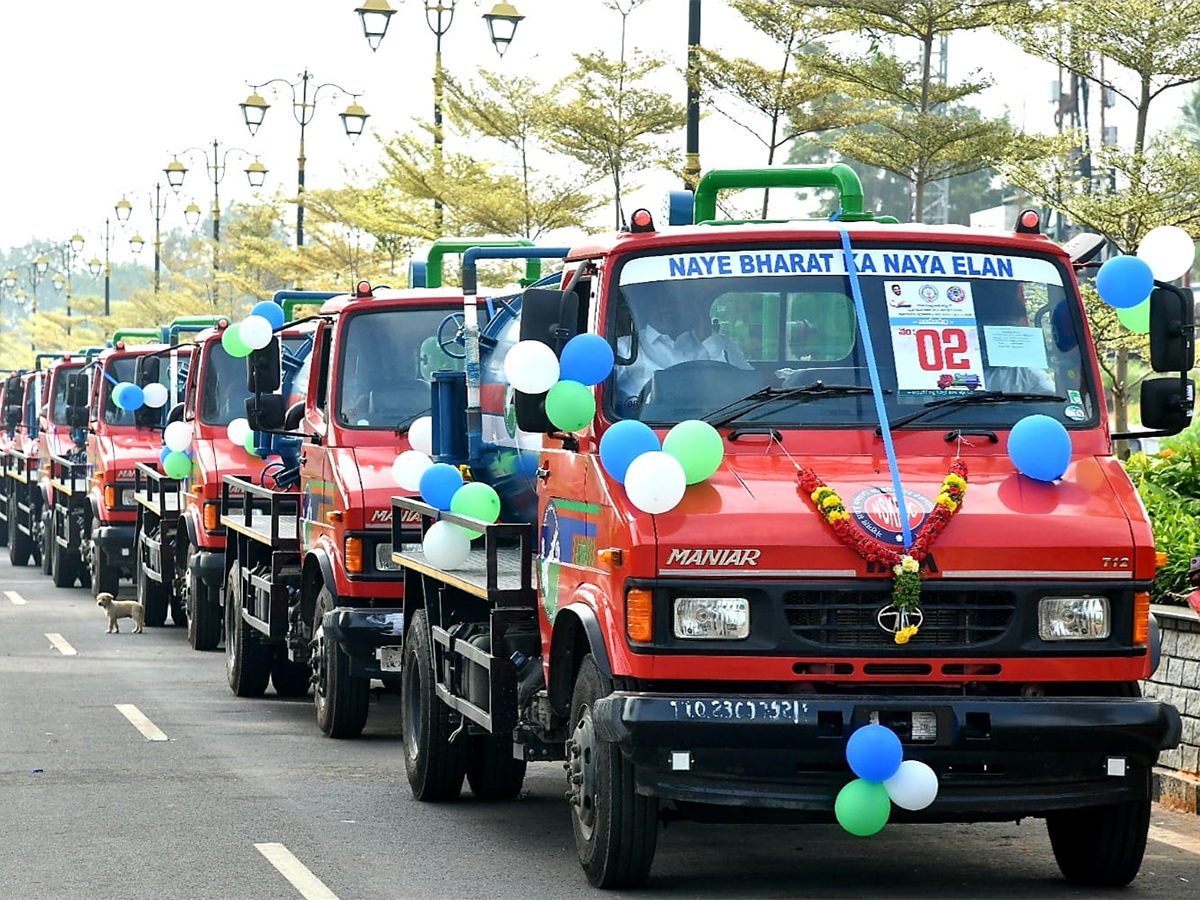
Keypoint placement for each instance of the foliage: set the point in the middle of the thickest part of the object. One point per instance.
(1169, 485)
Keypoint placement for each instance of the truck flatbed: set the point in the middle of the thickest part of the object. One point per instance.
(261, 514)
(67, 476)
(156, 492)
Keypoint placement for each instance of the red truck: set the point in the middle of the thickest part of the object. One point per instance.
(22, 465)
(712, 659)
(63, 451)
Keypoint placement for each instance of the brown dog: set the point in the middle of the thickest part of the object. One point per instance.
(121, 609)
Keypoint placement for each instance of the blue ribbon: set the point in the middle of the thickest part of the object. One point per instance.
(873, 370)
(109, 377)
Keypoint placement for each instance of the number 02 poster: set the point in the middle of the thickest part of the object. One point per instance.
(935, 338)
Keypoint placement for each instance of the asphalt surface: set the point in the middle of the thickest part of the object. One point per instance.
(92, 808)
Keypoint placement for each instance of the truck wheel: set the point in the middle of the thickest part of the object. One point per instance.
(1101, 846)
(19, 546)
(179, 616)
(341, 699)
(291, 678)
(492, 772)
(616, 829)
(435, 764)
(204, 613)
(152, 595)
(105, 578)
(62, 566)
(247, 661)
(48, 543)
(7, 506)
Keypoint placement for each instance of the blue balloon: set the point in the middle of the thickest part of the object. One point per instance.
(438, 484)
(874, 753)
(1124, 281)
(587, 358)
(623, 443)
(162, 457)
(1040, 448)
(132, 397)
(271, 311)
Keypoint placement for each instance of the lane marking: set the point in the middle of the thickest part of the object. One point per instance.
(17, 599)
(1178, 841)
(139, 721)
(309, 885)
(61, 645)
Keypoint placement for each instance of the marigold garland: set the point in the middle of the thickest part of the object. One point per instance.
(906, 567)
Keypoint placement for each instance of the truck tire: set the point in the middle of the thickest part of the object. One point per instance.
(616, 829)
(48, 543)
(179, 616)
(19, 546)
(105, 578)
(290, 678)
(152, 595)
(435, 765)
(340, 699)
(63, 567)
(247, 661)
(7, 508)
(1101, 846)
(204, 612)
(492, 772)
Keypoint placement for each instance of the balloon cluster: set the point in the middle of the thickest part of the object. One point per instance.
(885, 777)
(1040, 448)
(1125, 282)
(532, 368)
(253, 332)
(656, 476)
(176, 457)
(127, 395)
(240, 433)
(441, 485)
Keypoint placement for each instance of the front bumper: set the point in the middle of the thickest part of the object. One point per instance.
(361, 632)
(996, 759)
(116, 541)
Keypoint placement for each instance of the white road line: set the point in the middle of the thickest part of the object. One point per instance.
(309, 885)
(61, 645)
(1178, 841)
(17, 599)
(139, 721)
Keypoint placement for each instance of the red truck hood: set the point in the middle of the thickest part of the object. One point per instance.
(1009, 526)
(217, 457)
(378, 486)
(123, 450)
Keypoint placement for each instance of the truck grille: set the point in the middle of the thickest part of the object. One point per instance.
(846, 618)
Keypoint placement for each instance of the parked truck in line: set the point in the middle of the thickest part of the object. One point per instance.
(23, 465)
(712, 660)
(63, 450)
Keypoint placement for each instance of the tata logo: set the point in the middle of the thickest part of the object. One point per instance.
(891, 619)
(700, 556)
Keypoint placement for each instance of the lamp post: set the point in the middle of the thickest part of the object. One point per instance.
(691, 166)
(69, 251)
(254, 110)
(158, 206)
(502, 24)
(34, 273)
(95, 266)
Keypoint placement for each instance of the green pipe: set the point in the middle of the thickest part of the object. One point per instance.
(154, 335)
(442, 246)
(838, 175)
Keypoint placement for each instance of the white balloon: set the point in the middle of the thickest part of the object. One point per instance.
(655, 482)
(914, 786)
(420, 435)
(408, 469)
(238, 430)
(178, 436)
(446, 546)
(1168, 250)
(255, 332)
(531, 367)
(155, 395)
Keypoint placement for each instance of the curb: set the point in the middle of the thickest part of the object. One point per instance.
(1176, 790)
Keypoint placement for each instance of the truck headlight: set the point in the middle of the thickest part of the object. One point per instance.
(1073, 619)
(712, 618)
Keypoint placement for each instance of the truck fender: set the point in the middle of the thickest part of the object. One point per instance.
(1155, 645)
(321, 558)
(189, 523)
(577, 632)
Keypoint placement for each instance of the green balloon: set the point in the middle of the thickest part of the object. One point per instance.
(697, 446)
(248, 443)
(231, 340)
(1136, 318)
(177, 465)
(477, 500)
(570, 406)
(863, 807)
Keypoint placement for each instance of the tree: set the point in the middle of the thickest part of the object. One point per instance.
(922, 131)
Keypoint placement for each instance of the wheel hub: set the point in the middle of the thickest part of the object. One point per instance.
(320, 665)
(582, 785)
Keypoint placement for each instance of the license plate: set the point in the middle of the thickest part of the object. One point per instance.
(127, 497)
(391, 659)
(914, 726)
(383, 559)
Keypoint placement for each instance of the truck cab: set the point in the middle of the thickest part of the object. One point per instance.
(63, 451)
(23, 472)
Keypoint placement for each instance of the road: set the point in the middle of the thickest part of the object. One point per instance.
(128, 770)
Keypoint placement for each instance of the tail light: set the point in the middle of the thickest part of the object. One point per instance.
(354, 555)
(212, 516)
(110, 496)
(639, 616)
(1141, 619)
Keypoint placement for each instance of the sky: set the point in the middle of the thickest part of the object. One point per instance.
(99, 95)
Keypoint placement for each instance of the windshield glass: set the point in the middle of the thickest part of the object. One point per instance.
(387, 361)
(124, 368)
(223, 394)
(696, 331)
(58, 403)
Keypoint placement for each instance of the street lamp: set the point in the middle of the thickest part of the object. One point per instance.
(254, 110)
(158, 206)
(69, 252)
(34, 273)
(214, 167)
(502, 24)
(95, 266)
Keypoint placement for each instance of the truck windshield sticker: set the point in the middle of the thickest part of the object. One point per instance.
(935, 337)
(740, 263)
(1012, 346)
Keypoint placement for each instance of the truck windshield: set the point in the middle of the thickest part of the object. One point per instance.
(223, 393)
(696, 331)
(58, 402)
(387, 361)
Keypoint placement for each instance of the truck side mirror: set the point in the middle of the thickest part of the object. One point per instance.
(12, 416)
(78, 387)
(77, 416)
(176, 414)
(147, 370)
(1172, 319)
(1167, 403)
(147, 417)
(551, 317)
(531, 413)
(263, 373)
(265, 412)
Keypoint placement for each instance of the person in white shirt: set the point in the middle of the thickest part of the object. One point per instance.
(674, 334)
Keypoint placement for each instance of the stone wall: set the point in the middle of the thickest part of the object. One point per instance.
(1177, 681)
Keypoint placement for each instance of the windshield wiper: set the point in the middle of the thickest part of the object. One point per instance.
(963, 399)
(404, 424)
(766, 395)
